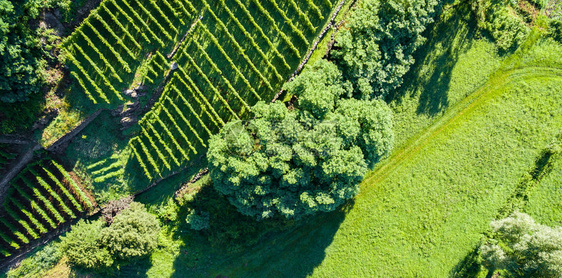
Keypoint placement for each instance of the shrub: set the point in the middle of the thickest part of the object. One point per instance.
(502, 21)
(198, 220)
(133, 233)
(555, 29)
(83, 247)
(524, 248)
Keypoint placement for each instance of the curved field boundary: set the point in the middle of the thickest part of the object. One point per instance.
(474, 100)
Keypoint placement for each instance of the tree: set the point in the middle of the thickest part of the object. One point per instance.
(524, 248)
(133, 233)
(299, 161)
(504, 21)
(21, 53)
(376, 48)
(83, 248)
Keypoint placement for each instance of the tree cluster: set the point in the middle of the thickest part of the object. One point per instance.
(523, 248)
(21, 49)
(132, 234)
(375, 49)
(505, 20)
(299, 160)
(296, 159)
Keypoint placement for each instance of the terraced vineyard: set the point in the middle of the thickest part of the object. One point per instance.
(106, 49)
(239, 52)
(42, 197)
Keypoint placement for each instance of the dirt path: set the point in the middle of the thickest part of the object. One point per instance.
(18, 166)
(487, 91)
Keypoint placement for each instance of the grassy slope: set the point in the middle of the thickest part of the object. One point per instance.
(548, 191)
(423, 210)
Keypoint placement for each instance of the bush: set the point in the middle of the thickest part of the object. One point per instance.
(83, 247)
(132, 235)
(524, 248)
(555, 30)
(502, 20)
(198, 220)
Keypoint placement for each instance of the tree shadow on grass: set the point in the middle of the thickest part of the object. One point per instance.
(135, 269)
(469, 267)
(430, 76)
(268, 249)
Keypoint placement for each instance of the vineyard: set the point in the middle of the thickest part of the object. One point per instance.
(41, 198)
(239, 52)
(106, 49)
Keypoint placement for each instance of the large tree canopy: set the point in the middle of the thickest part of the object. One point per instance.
(293, 162)
(376, 47)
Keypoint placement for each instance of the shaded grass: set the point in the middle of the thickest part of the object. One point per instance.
(545, 204)
(454, 62)
(97, 153)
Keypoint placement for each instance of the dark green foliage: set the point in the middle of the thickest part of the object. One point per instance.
(556, 29)
(82, 246)
(376, 48)
(524, 248)
(21, 53)
(132, 235)
(296, 162)
(502, 20)
(198, 220)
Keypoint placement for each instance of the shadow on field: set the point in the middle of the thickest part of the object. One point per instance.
(279, 252)
(468, 267)
(136, 269)
(448, 38)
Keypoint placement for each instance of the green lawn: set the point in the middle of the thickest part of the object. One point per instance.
(548, 191)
